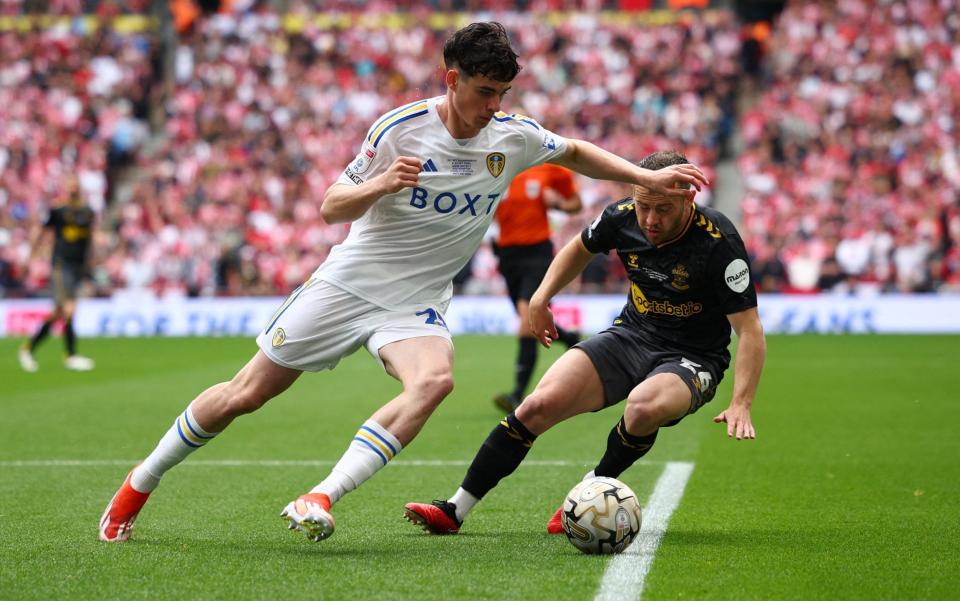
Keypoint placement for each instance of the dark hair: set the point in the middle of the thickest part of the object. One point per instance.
(662, 159)
(482, 49)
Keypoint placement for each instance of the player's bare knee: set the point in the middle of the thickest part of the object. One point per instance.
(641, 416)
(536, 412)
(431, 389)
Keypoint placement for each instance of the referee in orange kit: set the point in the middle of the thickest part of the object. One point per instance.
(524, 249)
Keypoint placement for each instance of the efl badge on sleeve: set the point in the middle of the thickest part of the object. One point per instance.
(363, 160)
(496, 161)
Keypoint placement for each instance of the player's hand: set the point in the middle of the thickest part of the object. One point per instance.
(542, 325)
(552, 198)
(403, 173)
(739, 424)
(665, 181)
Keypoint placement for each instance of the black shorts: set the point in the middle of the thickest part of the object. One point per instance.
(624, 358)
(65, 278)
(523, 268)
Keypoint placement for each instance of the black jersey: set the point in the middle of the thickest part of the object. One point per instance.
(680, 291)
(73, 229)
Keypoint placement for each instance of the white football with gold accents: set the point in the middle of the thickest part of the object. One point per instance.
(601, 515)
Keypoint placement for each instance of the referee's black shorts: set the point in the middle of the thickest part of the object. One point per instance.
(523, 268)
(624, 357)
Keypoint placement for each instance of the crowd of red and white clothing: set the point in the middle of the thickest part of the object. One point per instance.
(264, 115)
(851, 167)
(73, 105)
(849, 161)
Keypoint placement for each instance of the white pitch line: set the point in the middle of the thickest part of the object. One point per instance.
(268, 463)
(626, 572)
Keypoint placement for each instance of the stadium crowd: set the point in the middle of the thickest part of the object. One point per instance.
(256, 122)
(73, 103)
(851, 163)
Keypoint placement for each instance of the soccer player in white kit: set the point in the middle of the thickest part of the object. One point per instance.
(421, 193)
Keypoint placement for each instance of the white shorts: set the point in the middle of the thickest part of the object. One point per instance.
(320, 324)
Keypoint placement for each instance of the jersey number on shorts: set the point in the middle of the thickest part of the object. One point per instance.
(433, 318)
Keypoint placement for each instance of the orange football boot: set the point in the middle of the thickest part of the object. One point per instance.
(116, 524)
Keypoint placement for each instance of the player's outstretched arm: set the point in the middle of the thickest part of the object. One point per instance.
(751, 352)
(591, 160)
(568, 264)
(343, 203)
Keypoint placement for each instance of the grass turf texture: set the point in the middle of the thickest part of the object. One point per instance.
(851, 491)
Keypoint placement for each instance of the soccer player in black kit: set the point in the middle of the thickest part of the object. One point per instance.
(665, 353)
(72, 227)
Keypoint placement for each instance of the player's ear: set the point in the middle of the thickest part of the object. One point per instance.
(452, 78)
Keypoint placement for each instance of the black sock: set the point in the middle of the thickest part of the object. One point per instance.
(567, 337)
(498, 457)
(526, 361)
(40, 335)
(623, 450)
(69, 337)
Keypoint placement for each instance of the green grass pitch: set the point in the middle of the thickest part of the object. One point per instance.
(851, 490)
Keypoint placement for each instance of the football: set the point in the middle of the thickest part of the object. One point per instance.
(601, 515)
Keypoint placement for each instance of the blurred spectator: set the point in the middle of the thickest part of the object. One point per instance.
(768, 270)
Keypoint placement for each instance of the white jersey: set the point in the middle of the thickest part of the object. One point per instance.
(406, 249)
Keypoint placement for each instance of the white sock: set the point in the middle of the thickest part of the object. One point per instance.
(371, 449)
(464, 502)
(183, 438)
